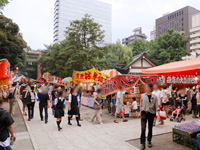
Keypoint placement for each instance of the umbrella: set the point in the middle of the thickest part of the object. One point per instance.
(67, 79)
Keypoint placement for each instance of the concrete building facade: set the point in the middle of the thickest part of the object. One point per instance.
(137, 34)
(66, 11)
(179, 20)
(195, 34)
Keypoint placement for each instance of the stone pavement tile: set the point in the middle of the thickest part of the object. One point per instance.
(43, 139)
(24, 144)
(48, 147)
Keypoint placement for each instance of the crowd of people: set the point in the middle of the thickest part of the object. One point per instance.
(63, 100)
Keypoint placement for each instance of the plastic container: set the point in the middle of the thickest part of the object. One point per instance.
(198, 139)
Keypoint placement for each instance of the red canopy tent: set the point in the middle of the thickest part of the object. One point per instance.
(180, 68)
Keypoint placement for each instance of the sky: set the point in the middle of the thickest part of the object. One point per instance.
(35, 17)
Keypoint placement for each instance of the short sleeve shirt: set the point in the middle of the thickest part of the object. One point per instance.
(5, 121)
(120, 95)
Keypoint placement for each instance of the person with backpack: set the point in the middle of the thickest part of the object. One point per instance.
(26, 99)
(32, 104)
(59, 104)
(6, 129)
(12, 97)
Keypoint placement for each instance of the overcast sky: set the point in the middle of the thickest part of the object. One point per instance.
(35, 17)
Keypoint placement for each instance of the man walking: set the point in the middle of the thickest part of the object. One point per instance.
(119, 104)
(44, 103)
(6, 127)
(148, 108)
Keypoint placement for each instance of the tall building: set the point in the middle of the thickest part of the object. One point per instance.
(137, 34)
(66, 11)
(195, 34)
(153, 34)
(179, 20)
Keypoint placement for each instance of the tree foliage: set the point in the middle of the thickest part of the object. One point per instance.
(169, 47)
(11, 43)
(81, 50)
(138, 46)
(119, 56)
(3, 4)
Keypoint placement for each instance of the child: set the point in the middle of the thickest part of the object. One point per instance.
(59, 108)
(134, 104)
(74, 105)
(177, 110)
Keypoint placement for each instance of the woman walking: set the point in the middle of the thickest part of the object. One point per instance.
(74, 105)
(59, 104)
(32, 104)
(26, 100)
(165, 99)
(98, 106)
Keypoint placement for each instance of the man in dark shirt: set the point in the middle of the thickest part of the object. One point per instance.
(6, 127)
(44, 103)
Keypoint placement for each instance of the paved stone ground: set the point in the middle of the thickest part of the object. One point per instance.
(23, 141)
(91, 136)
(163, 141)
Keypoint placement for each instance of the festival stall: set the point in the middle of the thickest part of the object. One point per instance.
(111, 72)
(134, 85)
(5, 73)
(181, 73)
(55, 80)
(88, 79)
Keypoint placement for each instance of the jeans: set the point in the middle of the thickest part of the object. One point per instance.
(5, 148)
(146, 116)
(31, 110)
(41, 107)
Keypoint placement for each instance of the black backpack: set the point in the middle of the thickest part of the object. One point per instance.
(11, 95)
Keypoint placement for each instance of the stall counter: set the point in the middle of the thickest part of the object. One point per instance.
(87, 101)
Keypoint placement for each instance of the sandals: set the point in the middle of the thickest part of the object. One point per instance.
(115, 121)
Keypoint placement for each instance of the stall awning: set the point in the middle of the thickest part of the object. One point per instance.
(111, 72)
(187, 67)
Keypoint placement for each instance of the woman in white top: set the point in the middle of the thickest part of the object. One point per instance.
(165, 99)
(74, 105)
(32, 104)
(59, 104)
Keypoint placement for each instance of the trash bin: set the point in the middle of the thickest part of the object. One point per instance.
(198, 139)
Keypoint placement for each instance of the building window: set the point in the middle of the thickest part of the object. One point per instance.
(182, 19)
(182, 11)
(182, 24)
(182, 29)
(179, 13)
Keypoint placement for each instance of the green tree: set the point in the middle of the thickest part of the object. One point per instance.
(11, 43)
(81, 50)
(119, 56)
(169, 47)
(138, 46)
(3, 4)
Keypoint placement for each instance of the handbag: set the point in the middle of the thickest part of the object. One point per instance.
(162, 115)
(11, 95)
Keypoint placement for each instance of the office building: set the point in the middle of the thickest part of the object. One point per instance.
(153, 34)
(180, 20)
(137, 34)
(66, 11)
(195, 34)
